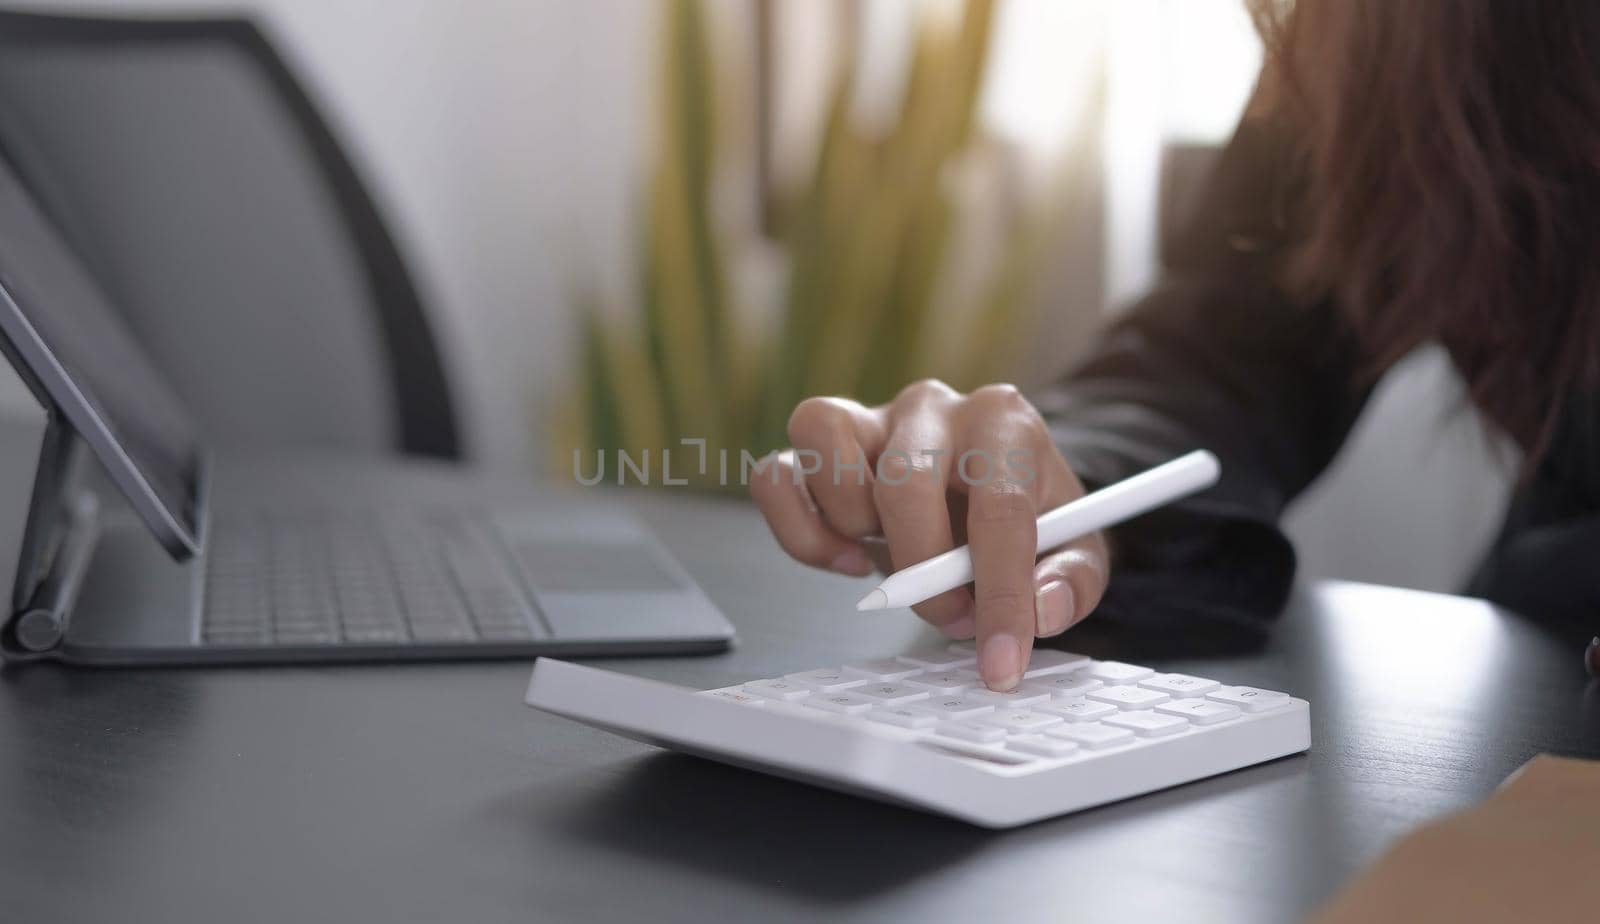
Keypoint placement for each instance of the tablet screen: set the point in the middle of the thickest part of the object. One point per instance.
(62, 326)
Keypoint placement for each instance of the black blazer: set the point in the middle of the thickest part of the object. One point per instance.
(1220, 357)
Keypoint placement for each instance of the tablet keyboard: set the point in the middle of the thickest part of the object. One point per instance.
(1076, 732)
(323, 578)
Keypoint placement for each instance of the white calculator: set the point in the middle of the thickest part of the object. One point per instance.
(921, 730)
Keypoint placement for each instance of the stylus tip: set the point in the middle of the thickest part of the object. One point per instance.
(876, 600)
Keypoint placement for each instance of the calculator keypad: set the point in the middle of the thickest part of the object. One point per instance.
(1068, 707)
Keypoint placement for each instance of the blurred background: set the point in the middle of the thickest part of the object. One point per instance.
(631, 220)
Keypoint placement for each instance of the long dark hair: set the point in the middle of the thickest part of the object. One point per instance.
(1451, 157)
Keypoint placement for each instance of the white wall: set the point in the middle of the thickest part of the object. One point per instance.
(501, 138)
(1418, 491)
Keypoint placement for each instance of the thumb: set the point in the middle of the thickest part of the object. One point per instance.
(1069, 583)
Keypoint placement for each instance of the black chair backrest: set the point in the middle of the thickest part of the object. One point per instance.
(199, 184)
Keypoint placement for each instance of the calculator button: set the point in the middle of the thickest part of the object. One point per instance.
(1250, 699)
(1178, 686)
(905, 718)
(1115, 672)
(825, 680)
(1092, 735)
(1046, 661)
(734, 695)
(1041, 745)
(1065, 686)
(1021, 696)
(845, 703)
(952, 707)
(945, 682)
(1079, 710)
(777, 689)
(1127, 697)
(882, 669)
(939, 660)
(971, 731)
(1199, 711)
(1147, 724)
(797, 708)
(1020, 721)
(891, 694)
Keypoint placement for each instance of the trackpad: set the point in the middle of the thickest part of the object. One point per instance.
(632, 616)
(613, 586)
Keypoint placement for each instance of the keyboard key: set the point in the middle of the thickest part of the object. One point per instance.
(1079, 710)
(240, 636)
(1065, 686)
(1046, 661)
(1199, 711)
(783, 690)
(1020, 721)
(511, 633)
(1250, 699)
(826, 680)
(500, 617)
(952, 707)
(903, 717)
(368, 619)
(308, 623)
(735, 695)
(1127, 697)
(844, 703)
(882, 669)
(891, 694)
(442, 632)
(1021, 696)
(969, 647)
(306, 636)
(1041, 745)
(940, 660)
(971, 731)
(484, 579)
(1092, 735)
(1178, 686)
(374, 635)
(945, 682)
(1147, 724)
(1115, 672)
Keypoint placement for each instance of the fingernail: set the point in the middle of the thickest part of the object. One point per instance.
(1052, 608)
(853, 562)
(1000, 663)
(962, 629)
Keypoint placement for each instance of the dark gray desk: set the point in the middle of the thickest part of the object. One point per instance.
(429, 793)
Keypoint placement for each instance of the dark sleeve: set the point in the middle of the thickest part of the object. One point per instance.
(1217, 357)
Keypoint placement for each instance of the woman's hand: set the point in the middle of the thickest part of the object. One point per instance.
(929, 470)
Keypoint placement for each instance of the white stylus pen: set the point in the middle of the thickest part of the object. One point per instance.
(1106, 507)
